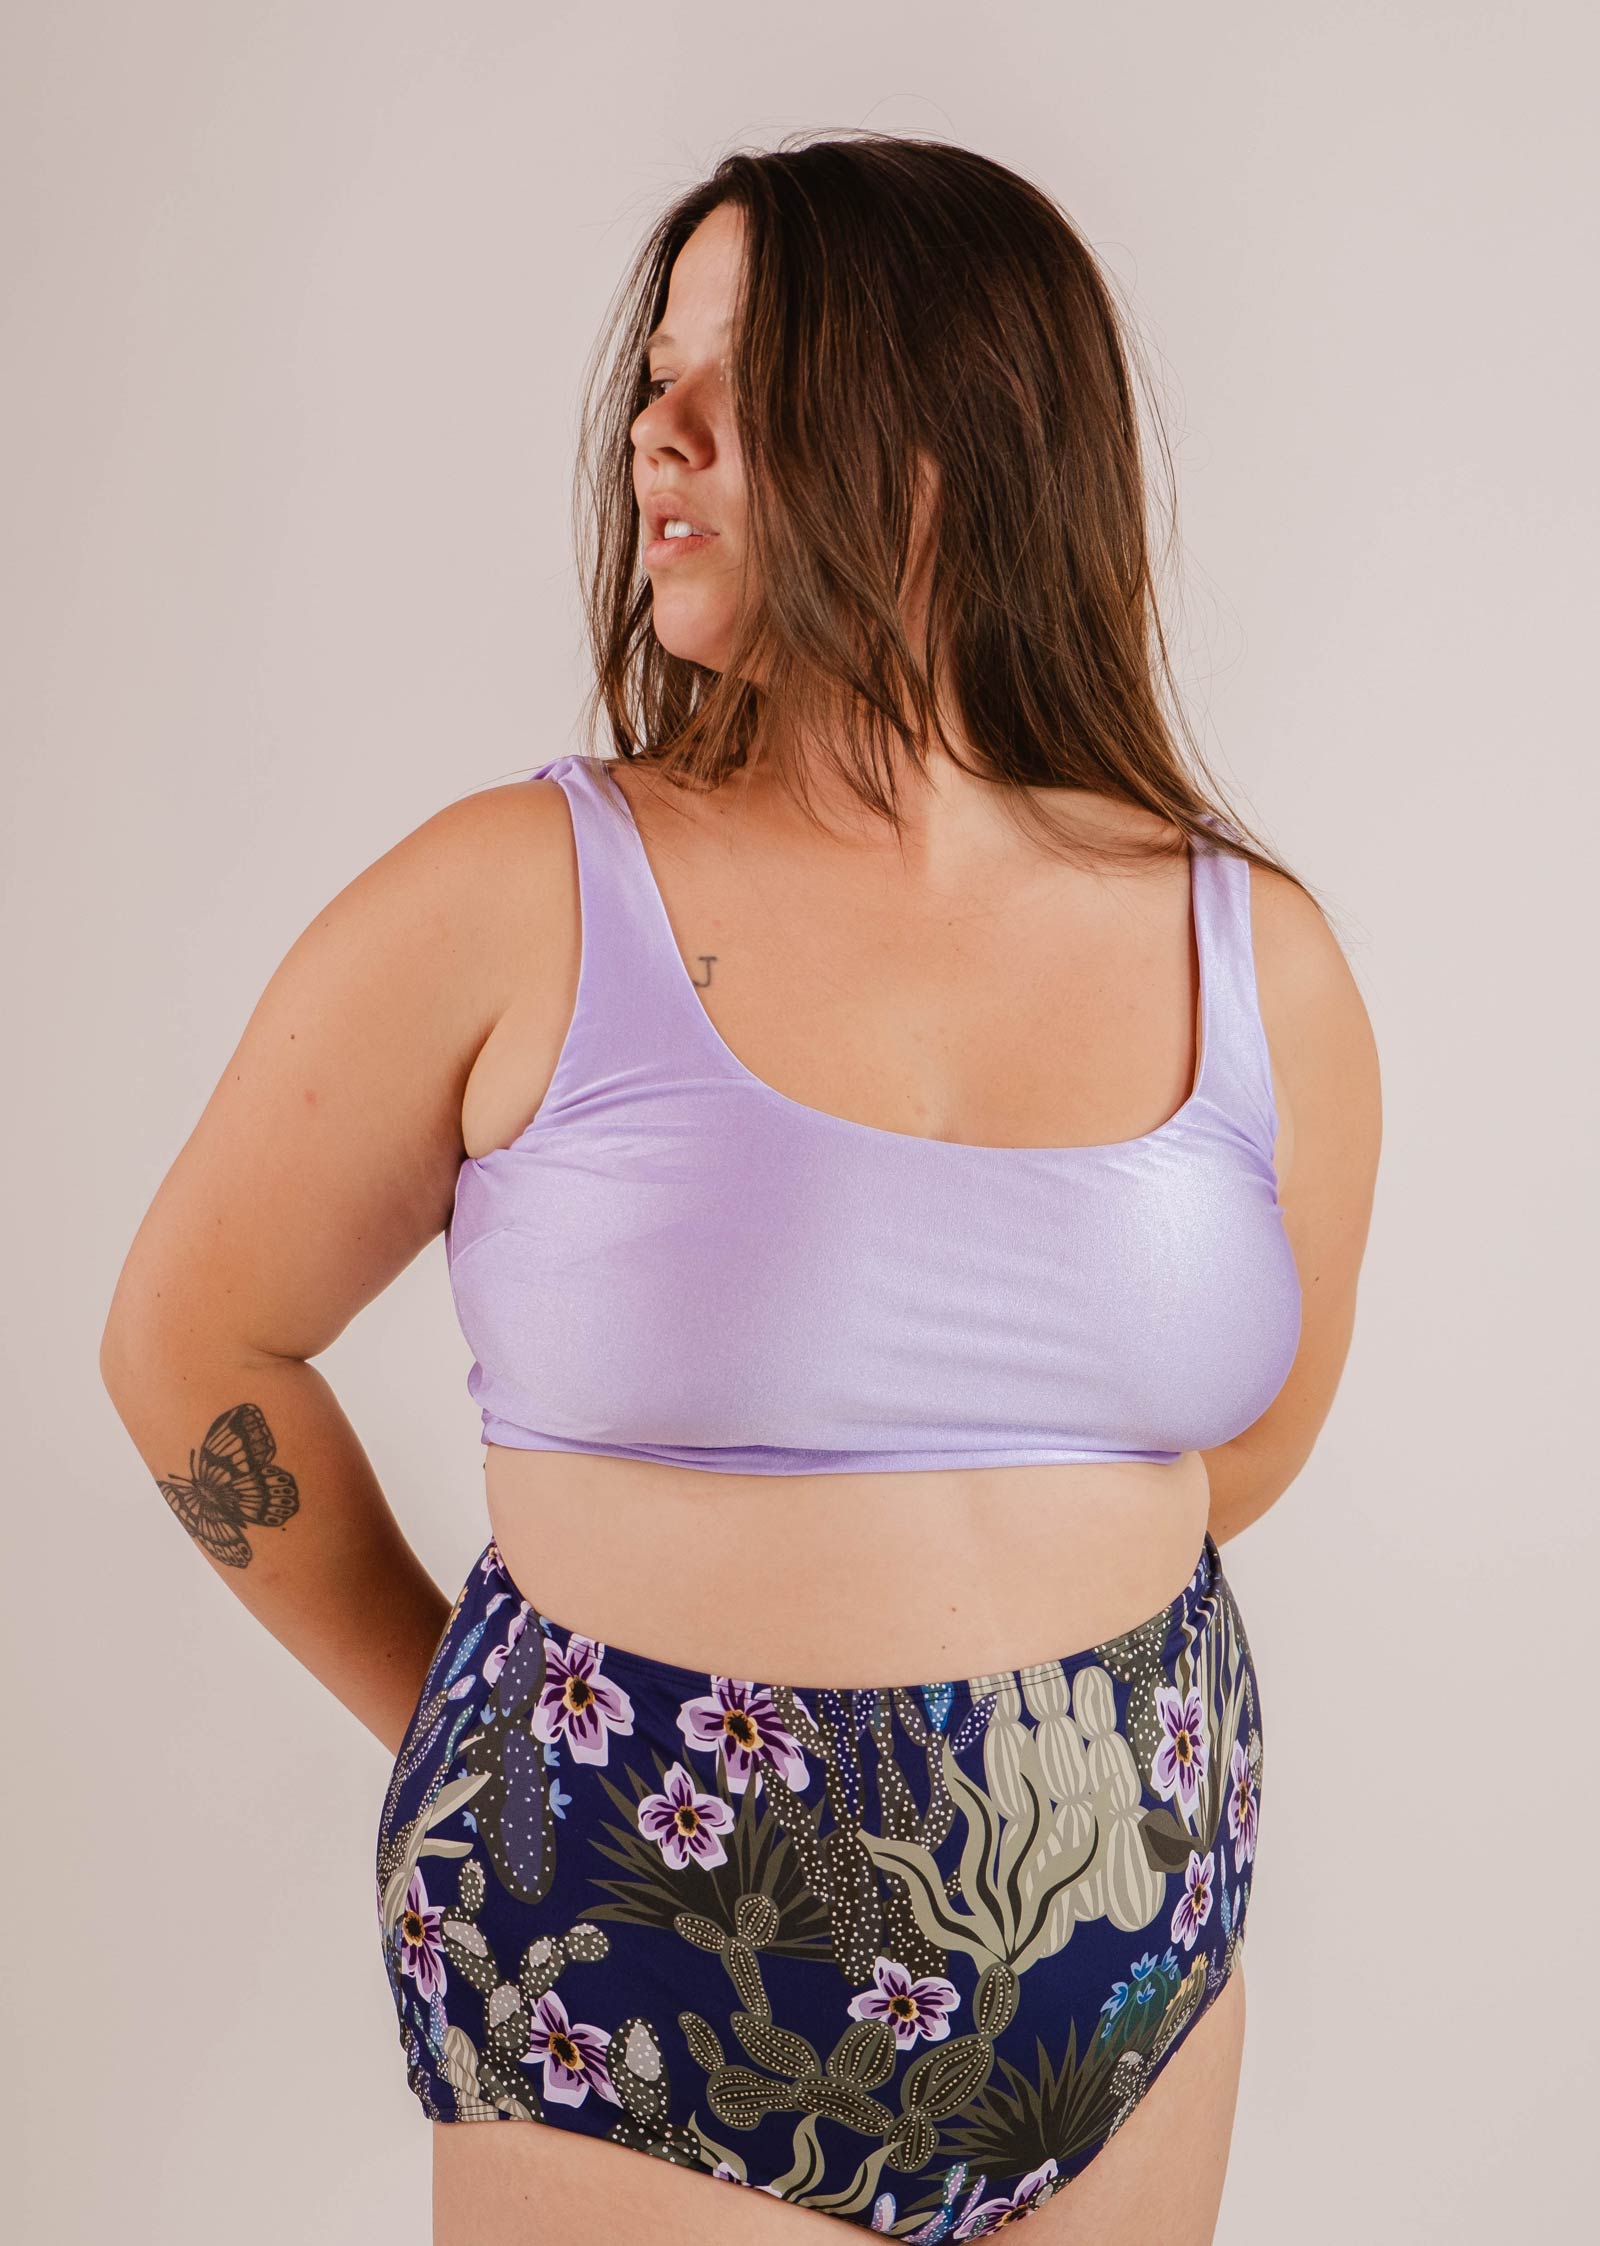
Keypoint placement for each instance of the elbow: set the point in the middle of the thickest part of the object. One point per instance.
(119, 1358)
(135, 1338)
(115, 1342)
(1247, 1481)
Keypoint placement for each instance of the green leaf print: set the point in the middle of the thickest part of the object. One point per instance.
(1013, 1870)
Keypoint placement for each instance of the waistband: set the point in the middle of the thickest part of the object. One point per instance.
(1159, 1636)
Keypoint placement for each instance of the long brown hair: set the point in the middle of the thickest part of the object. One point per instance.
(904, 298)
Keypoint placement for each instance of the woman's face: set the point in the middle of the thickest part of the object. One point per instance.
(686, 462)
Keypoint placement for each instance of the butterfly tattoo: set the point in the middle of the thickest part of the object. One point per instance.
(232, 1480)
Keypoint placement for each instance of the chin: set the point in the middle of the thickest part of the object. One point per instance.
(692, 639)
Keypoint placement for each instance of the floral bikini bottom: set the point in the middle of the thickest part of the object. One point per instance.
(906, 1955)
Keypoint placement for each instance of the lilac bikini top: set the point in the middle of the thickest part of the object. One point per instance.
(676, 1262)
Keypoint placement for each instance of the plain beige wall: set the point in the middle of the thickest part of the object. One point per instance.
(295, 301)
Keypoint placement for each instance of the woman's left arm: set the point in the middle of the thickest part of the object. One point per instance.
(1330, 1116)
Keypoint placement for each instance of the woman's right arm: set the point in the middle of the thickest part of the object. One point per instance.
(325, 1159)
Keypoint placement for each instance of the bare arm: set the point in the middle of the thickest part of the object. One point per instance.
(325, 1159)
(1330, 1133)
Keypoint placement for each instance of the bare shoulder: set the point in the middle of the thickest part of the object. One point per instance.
(489, 876)
(1318, 1027)
(343, 1094)
(1301, 966)
(489, 832)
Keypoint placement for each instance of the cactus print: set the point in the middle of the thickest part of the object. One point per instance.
(908, 1956)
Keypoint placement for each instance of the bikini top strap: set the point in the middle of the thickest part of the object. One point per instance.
(627, 1022)
(1235, 1064)
(630, 1023)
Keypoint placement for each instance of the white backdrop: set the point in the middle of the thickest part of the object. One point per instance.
(295, 301)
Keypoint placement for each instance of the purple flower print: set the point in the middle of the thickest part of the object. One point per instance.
(499, 1655)
(1035, 2188)
(1180, 1762)
(578, 1703)
(1194, 1904)
(914, 2008)
(742, 1720)
(1242, 1807)
(572, 2054)
(421, 1943)
(686, 1823)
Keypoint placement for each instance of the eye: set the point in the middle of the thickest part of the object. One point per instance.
(651, 387)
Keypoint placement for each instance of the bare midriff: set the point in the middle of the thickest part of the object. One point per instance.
(846, 1579)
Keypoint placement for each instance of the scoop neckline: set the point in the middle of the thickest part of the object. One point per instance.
(758, 1085)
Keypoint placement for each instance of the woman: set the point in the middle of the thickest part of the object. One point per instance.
(905, 1155)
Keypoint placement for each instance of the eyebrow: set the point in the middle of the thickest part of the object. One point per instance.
(660, 335)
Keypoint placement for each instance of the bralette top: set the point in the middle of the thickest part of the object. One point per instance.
(674, 1261)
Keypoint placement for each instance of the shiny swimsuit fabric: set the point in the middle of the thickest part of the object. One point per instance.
(908, 1956)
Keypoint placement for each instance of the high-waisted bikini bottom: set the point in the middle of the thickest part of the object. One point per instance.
(906, 1955)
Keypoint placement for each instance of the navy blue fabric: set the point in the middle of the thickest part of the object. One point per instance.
(908, 1956)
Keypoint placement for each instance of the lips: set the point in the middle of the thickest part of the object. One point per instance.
(661, 511)
(662, 553)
